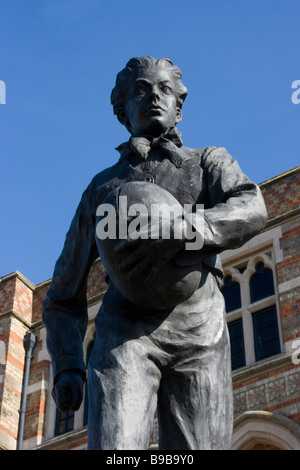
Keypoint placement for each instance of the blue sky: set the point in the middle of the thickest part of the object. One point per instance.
(59, 60)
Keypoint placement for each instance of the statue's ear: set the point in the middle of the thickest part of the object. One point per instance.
(178, 115)
(122, 116)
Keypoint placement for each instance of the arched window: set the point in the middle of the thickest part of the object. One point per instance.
(265, 326)
(232, 294)
(251, 311)
(261, 283)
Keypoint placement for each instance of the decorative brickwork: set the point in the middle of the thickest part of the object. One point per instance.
(281, 194)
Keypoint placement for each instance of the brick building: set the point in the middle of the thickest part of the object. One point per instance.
(262, 294)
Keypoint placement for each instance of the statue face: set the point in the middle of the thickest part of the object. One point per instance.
(151, 103)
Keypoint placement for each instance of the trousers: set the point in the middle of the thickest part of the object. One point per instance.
(175, 362)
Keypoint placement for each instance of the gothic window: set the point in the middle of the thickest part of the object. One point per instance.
(232, 294)
(261, 283)
(250, 302)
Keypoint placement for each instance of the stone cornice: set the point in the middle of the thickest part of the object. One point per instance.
(265, 366)
(18, 275)
(26, 323)
(64, 440)
(277, 178)
(282, 218)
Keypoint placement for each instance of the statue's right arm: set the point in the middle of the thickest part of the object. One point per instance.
(65, 306)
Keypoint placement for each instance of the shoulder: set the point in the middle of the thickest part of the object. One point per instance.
(208, 155)
(101, 178)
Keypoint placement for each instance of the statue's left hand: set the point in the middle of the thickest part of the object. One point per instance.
(148, 253)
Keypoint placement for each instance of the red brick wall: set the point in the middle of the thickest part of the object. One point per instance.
(282, 194)
(282, 197)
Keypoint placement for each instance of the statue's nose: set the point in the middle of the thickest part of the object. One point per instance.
(154, 94)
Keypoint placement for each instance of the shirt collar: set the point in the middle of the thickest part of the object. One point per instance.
(170, 143)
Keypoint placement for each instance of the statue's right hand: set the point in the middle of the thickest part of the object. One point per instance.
(68, 391)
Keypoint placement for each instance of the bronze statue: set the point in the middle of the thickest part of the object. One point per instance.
(161, 337)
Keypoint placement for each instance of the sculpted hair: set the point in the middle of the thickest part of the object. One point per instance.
(118, 94)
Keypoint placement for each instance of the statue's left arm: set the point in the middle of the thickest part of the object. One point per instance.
(235, 210)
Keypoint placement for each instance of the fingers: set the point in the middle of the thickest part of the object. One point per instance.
(154, 272)
(138, 268)
(136, 256)
(143, 265)
(125, 244)
(138, 262)
(62, 398)
(152, 256)
(145, 232)
(68, 392)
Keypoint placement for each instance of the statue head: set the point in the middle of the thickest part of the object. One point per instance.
(148, 95)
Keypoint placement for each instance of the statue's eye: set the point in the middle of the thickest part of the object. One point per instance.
(166, 89)
(139, 90)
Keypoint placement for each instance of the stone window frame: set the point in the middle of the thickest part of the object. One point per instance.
(241, 270)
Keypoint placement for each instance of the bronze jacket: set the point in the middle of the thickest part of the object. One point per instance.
(234, 211)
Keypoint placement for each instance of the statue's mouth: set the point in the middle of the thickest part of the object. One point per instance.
(154, 107)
